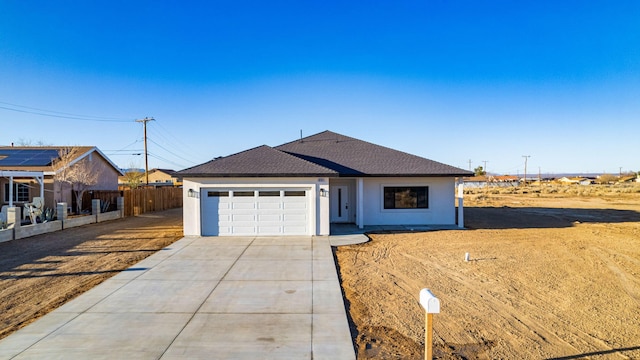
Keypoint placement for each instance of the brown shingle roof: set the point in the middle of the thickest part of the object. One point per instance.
(38, 158)
(260, 161)
(353, 157)
(324, 154)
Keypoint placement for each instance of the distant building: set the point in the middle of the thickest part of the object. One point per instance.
(157, 178)
(163, 177)
(575, 180)
(491, 180)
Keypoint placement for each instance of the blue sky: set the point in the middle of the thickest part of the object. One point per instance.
(451, 81)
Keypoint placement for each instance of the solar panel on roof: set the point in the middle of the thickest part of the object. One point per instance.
(27, 157)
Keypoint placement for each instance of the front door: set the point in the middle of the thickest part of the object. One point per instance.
(339, 203)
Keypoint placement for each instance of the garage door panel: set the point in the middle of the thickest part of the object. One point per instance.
(270, 218)
(224, 230)
(243, 205)
(294, 230)
(295, 205)
(236, 218)
(269, 205)
(240, 229)
(271, 212)
(269, 230)
(300, 218)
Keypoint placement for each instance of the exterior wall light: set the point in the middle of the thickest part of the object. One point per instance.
(192, 193)
(324, 192)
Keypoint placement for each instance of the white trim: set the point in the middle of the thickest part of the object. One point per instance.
(360, 203)
(309, 191)
(88, 153)
(38, 175)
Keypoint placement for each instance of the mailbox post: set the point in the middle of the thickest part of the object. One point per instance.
(431, 305)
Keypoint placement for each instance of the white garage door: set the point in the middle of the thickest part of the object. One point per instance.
(255, 212)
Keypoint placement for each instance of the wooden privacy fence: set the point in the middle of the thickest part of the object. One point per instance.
(141, 200)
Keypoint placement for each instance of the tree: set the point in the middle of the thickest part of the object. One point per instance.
(29, 142)
(479, 171)
(606, 179)
(80, 175)
(133, 177)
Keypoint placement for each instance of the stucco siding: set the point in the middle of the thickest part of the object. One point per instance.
(108, 176)
(318, 205)
(441, 209)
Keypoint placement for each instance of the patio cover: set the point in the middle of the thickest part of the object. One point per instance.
(38, 175)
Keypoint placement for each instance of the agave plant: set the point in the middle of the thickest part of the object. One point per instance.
(48, 214)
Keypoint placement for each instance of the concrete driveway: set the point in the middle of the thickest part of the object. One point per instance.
(204, 298)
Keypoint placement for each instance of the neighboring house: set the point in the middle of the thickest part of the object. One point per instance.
(163, 177)
(627, 179)
(476, 181)
(31, 170)
(301, 187)
(157, 177)
(575, 180)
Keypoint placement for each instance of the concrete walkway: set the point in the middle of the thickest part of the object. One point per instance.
(204, 298)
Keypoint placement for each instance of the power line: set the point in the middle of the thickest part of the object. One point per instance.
(168, 142)
(177, 139)
(146, 160)
(176, 155)
(166, 160)
(58, 114)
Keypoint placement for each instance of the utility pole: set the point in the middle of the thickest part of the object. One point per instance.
(526, 157)
(146, 154)
(469, 164)
(620, 171)
(539, 176)
(485, 166)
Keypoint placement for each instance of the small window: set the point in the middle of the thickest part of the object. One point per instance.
(217, 193)
(269, 193)
(244, 193)
(20, 192)
(406, 197)
(295, 193)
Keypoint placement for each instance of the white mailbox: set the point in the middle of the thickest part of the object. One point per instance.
(429, 302)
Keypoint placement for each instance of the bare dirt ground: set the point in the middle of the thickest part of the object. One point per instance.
(40, 273)
(550, 276)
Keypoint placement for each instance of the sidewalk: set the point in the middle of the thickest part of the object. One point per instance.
(203, 298)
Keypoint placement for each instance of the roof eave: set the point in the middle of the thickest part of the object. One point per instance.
(204, 175)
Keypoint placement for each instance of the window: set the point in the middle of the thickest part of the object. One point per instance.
(295, 193)
(243, 193)
(269, 193)
(406, 197)
(20, 192)
(217, 193)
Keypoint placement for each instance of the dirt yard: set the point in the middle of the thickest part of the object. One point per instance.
(550, 276)
(40, 273)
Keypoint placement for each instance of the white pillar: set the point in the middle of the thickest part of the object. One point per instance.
(460, 204)
(40, 180)
(322, 209)
(14, 217)
(10, 191)
(360, 202)
(95, 206)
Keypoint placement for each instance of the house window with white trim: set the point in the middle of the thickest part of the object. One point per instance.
(20, 192)
(406, 197)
